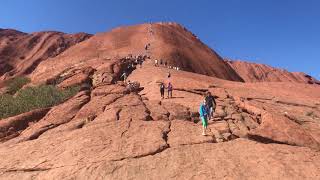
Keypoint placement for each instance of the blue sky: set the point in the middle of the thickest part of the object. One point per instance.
(280, 33)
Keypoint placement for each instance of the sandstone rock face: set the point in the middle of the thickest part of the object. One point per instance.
(109, 131)
(20, 53)
(11, 126)
(280, 129)
(55, 117)
(252, 72)
(167, 41)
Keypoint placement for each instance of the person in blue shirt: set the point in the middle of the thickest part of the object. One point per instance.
(203, 111)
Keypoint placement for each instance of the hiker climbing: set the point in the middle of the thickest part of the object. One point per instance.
(130, 67)
(211, 105)
(203, 115)
(124, 76)
(139, 60)
(146, 47)
(170, 88)
(155, 62)
(162, 87)
(169, 74)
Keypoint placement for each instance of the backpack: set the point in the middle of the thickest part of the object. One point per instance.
(214, 103)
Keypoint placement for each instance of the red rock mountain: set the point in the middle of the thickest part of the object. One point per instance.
(116, 130)
(253, 72)
(20, 53)
(167, 41)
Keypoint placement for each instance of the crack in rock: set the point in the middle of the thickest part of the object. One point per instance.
(37, 134)
(27, 170)
(127, 129)
(194, 91)
(266, 140)
(295, 104)
(165, 134)
(118, 114)
(159, 150)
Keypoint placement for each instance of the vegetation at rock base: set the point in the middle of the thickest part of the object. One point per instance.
(31, 98)
(15, 84)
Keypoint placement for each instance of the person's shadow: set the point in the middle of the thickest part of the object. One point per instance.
(175, 98)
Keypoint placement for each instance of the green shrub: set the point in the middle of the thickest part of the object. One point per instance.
(16, 84)
(32, 98)
(7, 106)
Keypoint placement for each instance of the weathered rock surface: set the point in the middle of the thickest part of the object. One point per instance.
(282, 130)
(167, 40)
(110, 131)
(20, 53)
(58, 115)
(187, 133)
(252, 72)
(11, 126)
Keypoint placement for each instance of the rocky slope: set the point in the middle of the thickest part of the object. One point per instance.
(167, 41)
(110, 132)
(113, 131)
(253, 72)
(20, 53)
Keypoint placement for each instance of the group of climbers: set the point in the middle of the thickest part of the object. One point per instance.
(207, 106)
(133, 62)
(169, 88)
(160, 62)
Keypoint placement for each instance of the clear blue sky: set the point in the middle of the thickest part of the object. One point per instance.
(281, 33)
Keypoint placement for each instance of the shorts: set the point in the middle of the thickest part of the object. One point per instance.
(204, 121)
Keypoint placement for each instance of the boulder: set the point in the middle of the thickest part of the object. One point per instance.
(177, 111)
(78, 78)
(220, 112)
(108, 89)
(13, 125)
(221, 126)
(249, 121)
(277, 128)
(157, 111)
(58, 115)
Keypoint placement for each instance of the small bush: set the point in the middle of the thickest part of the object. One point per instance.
(7, 106)
(16, 84)
(32, 98)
